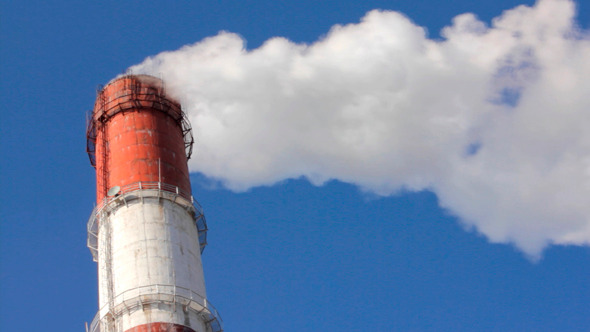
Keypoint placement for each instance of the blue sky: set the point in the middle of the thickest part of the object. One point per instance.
(290, 256)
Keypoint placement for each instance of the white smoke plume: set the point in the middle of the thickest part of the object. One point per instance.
(494, 120)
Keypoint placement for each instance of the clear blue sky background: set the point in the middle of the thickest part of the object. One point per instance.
(292, 257)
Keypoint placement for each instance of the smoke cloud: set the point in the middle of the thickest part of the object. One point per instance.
(493, 119)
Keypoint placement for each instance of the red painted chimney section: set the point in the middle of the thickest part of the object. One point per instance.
(139, 135)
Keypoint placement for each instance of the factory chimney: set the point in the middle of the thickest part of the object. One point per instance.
(147, 232)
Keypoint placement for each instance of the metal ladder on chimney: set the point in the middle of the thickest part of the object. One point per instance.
(104, 219)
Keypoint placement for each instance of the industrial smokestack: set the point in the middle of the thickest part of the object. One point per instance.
(147, 232)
